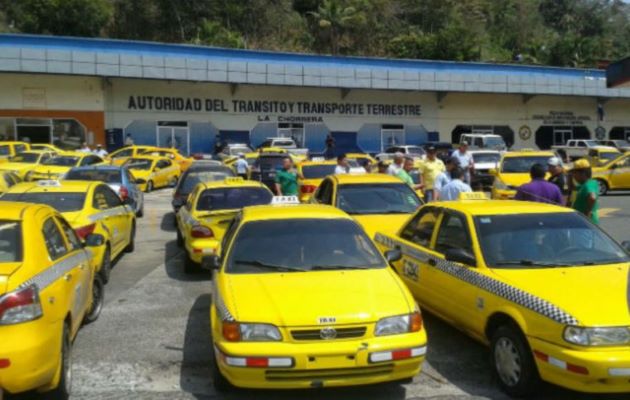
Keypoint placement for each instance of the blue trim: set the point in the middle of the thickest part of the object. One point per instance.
(190, 51)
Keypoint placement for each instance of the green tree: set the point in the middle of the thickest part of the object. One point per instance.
(333, 18)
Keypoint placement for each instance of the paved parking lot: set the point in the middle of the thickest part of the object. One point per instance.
(152, 340)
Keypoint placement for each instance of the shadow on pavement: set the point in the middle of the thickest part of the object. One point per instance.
(168, 223)
(174, 264)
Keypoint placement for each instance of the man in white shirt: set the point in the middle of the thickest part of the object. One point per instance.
(395, 167)
(464, 160)
(85, 148)
(456, 186)
(241, 166)
(100, 151)
(342, 165)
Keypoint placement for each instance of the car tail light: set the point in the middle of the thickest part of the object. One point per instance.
(415, 322)
(84, 231)
(307, 188)
(19, 306)
(123, 192)
(201, 232)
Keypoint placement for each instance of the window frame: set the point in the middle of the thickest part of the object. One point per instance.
(446, 213)
(56, 256)
(416, 219)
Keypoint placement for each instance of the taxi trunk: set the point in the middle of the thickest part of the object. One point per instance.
(388, 223)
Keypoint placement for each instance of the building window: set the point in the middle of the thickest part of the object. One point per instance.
(392, 135)
(616, 133)
(293, 131)
(547, 135)
(7, 129)
(502, 130)
(68, 134)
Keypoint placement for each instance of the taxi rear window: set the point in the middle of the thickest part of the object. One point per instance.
(29, 158)
(522, 165)
(60, 201)
(4, 150)
(139, 163)
(107, 176)
(63, 161)
(232, 198)
(10, 241)
(193, 178)
(270, 163)
(391, 198)
(317, 171)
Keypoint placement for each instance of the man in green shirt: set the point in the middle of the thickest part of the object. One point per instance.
(286, 179)
(403, 174)
(587, 189)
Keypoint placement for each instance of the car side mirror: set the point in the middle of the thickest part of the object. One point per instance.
(492, 171)
(393, 255)
(626, 245)
(210, 263)
(460, 256)
(94, 240)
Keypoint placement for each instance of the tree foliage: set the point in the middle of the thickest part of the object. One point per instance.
(551, 32)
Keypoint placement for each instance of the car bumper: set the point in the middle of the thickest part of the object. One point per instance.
(501, 194)
(323, 364)
(200, 248)
(592, 371)
(33, 350)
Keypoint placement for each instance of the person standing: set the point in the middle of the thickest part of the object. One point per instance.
(456, 186)
(464, 161)
(444, 178)
(539, 190)
(431, 168)
(403, 174)
(330, 147)
(242, 168)
(586, 190)
(342, 167)
(558, 177)
(397, 165)
(85, 148)
(381, 167)
(286, 179)
(100, 151)
(128, 140)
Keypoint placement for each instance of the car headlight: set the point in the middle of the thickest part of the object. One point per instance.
(609, 336)
(246, 332)
(398, 324)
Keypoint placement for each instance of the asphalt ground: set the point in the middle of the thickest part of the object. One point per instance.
(152, 340)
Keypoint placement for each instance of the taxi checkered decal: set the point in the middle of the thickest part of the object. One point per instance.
(224, 313)
(486, 283)
(56, 271)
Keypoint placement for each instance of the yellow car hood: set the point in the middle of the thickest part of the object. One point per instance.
(384, 223)
(16, 166)
(515, 180)
(302, 298)
(595, 296)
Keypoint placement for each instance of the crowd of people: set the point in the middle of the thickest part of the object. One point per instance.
(98, 150)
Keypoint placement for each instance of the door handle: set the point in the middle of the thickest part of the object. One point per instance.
(67, 277)
(432, 262)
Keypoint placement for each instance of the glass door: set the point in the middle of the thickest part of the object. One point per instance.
(562, 135)
(34, 130)
(392, 135)
(173, 134)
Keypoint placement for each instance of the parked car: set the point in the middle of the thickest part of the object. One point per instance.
(408, 150)
(199, 171)
(577, 148)
(484, 160)
(621, 145)
(285, 143)
(603, 155)
(119, 179)
(265, 167)
(233, 150)
(484, 141)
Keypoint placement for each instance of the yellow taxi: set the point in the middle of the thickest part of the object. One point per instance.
(22, 163)
(89, 208)
(303, 299)
(311, 174)
(120, 156)
(9, 149)
(249, 157)
(211, 206)
(153, 172)
(376, 201)
(7, 180)
(173, 154)
(362, 158)
(51, 148)
(602, 155)
(539, 283)
(513, 171)
(46, 293)
(614, 175)
(55, 167)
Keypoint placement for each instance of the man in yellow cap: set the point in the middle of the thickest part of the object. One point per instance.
(587, 189)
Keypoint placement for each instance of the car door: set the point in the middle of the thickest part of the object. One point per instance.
(161, 173)
(120, 217)
(103, 213)
(620, 174)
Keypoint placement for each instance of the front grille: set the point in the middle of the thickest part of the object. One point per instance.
(342, 333)
(332, 373)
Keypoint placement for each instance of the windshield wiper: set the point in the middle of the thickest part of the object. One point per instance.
(334, 267)
(261, 264)
(530, 263)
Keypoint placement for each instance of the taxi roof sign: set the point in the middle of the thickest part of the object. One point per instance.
(473, 196)
(233, 179)
(278, 200)
(49, 183)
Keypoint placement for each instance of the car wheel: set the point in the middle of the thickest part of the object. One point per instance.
(180, 239)
(62, 391)
(149, 187)
(190, 267)
(106, 264)
(98, 298)
(220, 383)
(603, 187)
(132, 239)
(513, 362)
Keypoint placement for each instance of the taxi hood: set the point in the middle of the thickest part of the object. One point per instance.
(515, 180)
(302, 298)
(594, 295)
(52, 169)
(384, 223)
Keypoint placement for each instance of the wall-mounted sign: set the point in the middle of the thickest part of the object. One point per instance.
(561, 118)
(524, 132)
(34, 98)
(194, 104)
(600, 132)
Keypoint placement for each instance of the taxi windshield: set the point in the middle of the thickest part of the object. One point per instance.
(479, 158)
(545, 240)
(193, 178)
(299, 245)
(318, 171)
(522, 165)
(232, 198)
(60, 201)
(10, 241)
(385, 198)
(102, 175)
(27, 158)
(63, 161)
(139, 164)
(4, 150)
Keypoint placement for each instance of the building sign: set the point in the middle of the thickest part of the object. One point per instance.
(561, 118)
(34, 98)
(266, 107)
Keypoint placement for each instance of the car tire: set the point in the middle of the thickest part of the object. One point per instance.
(190, 267)
(132, 240)
(180, 239)
(106, 264)
(602, 187)
(149, 187)
(63, 389)
(98, 299)
(513, 362)
(219, 382)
